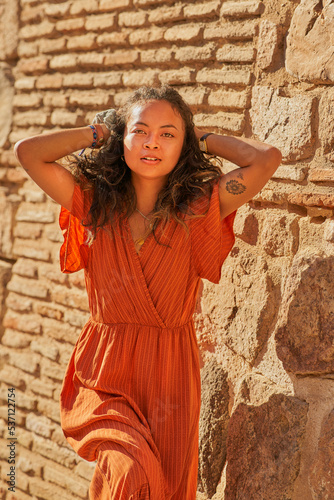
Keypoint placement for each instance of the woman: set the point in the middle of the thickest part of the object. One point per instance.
(147, 216)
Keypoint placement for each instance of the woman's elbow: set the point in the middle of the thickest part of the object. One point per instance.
(274, 158)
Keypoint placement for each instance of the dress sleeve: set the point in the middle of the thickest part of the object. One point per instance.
(211, 238)
(75, 248)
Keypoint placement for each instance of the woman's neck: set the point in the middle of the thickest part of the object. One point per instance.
(147, 192)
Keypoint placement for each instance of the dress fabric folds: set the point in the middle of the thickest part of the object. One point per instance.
(131, 394)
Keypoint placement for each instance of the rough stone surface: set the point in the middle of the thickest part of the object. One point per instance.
(309, 53)
(283, 122)
(305, 337)
(267, 44)
(326, 120)
(6, 103)
(321, 476)
(213, 426)
(263, 449)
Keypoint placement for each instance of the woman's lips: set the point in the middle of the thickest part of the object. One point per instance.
(150, 160)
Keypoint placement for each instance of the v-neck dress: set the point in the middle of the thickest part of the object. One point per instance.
(133, 380)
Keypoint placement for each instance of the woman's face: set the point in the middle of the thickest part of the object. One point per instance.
(153, 140)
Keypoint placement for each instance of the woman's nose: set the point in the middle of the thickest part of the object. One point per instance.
(151, 142)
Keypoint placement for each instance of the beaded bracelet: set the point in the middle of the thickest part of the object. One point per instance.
(95, 137)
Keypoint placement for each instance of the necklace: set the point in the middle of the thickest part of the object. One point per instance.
(147, 218)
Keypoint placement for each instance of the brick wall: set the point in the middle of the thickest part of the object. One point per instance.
(240, 69)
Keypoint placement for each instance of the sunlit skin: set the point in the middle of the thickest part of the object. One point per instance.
(153, 141)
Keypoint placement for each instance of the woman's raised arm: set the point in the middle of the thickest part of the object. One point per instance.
(38, 156)
(258, 162)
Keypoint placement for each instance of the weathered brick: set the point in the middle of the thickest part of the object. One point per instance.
(113, 4)
(209, 9)
(54, 81)
(321, 175)
(195, 53)
(149, 2)
(40, 30)
(51, 273)
(231, 99)
(177, 76)
(193, 96)
(30, 463)
(115, 38)
(145, 36)
(43, 387)
(82, 42)
(236, 53)
(52, 45)
(90, 98)
(25, 438)
(161, 55)
(290, 172)
(85, 469)
(46, 347)
(40, 425)
(16, 339)
(30, 14)
(28, 362)
(15, 377)
(110, 79)
(69, 298)
(137, 18)
(76, 319)
(52, 370)
(101, 22)
(64, 118)
(56, 329)
(27, 100)
(68, 25)
(324, 213)
(27, 83)
(138, 78)
(29, 212)
(312, 199)
(48, 491)
(25, 286)
(244, 30)
(28, 323)
(184, 32)
(65, 478)
(25, 267)
(27, 49)
(224, 76)
(166, 14)
(225, 121)
(84, 7)
(33, 65)
(57, 10)
(19, 303)
(49, 310)
(64, 61)
(242, 9)
(119, 57)
(26, 118)
(91, 59)
(55, 100)
(76, 80)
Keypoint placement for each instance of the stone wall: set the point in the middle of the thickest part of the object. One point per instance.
(266, 331)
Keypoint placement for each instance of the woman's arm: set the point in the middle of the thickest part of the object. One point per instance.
(38, 156)
(258, 162)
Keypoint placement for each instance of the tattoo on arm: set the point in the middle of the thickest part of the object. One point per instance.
(235, 187)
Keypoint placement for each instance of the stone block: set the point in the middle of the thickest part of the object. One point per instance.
(309, 51)
(82, 42)
(57, 330)
(29, 249)
(120, 57)
(51, 408)
(70, 25)
(145, 36)
(100, 22)
(321, 474)
(166, 14)
(187, 54)
(6, 225)
(26, 83)
(115, 38)
(263, 447)
(64, 62)
(235, 53)
(59, 10)
(29, 323)
(312, 199)
(66, 119)
(177, 76)
(229, 99)
(138, 78)
(31, 288)
(246, 225)
(27, 100)
(43, 29)
(113, 4)
(45, 346)
(74, 80)
(28, 49)
(240, 30)
(69, 298)
(280, 234)
(244, 8)
(272, 122)
(90, 98)
(305, 334)
(81, 7)
(48, 491)
(153, 56)
(27, 118)
(326, 120)
(224, 76)
(65, 478)
(321, 175)
(183, 32)
(9, 29)
(290, 172)
(136, 18)
(19, 303)
(209, 9)
(193, 96)
(213, 426)
(226, 121)
(28, 362)
(53, 81)
(6, 104)
(267, 44)
(40, 425)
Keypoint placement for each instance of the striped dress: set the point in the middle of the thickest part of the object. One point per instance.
(131, 394)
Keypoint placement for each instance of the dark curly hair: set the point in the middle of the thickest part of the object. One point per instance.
(106, 172)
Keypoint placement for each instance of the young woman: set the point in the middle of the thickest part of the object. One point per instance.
(147, 216)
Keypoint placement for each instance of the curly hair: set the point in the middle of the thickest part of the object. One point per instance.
(106, 172)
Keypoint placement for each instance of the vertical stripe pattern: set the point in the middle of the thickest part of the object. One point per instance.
(131, 394)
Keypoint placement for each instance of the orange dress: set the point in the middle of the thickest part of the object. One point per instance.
(131, 394)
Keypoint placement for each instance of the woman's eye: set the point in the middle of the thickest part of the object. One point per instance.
(167, 134)
(139, 131)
